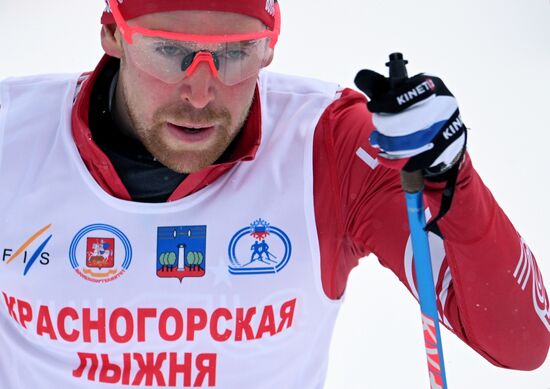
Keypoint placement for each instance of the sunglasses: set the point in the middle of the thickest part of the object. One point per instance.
(171, 57)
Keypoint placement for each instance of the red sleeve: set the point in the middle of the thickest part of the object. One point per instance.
(490, 291)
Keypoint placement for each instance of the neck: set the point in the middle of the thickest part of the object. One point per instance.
(119, 109)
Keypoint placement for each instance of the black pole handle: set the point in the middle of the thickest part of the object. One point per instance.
(411, 182)
(398, 69)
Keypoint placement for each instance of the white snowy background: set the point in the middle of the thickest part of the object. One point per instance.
(494, 55)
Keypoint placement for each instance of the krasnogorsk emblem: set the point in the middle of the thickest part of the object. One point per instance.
(259, 248)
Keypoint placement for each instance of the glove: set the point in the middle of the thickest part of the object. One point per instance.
(418, 124)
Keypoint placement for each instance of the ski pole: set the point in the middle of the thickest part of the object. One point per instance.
(413, 184)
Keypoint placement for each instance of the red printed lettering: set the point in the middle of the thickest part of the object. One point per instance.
(10, 303)
(99, 325)
(109, 372)
(428, 326)
(196, 321)
(214, 324)
(243, 324)
(150, 369)
(25, 312)
(267, 323)
(432, 353)
(436, 382)
(126, 367)
(83, 364)
(88, 325)
(170, 313)
(206, 366)
(128, 325)
(286, 314)
(44, 323)
(180, 368)
(63, 314)
(142, 315)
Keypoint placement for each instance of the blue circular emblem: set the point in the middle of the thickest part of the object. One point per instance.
(259, 249)
(95, 253)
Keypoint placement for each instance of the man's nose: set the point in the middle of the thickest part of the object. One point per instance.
(198, 87)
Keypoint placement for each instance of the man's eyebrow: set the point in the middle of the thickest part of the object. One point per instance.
(249, 43)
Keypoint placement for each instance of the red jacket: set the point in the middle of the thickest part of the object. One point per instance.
(490, 291)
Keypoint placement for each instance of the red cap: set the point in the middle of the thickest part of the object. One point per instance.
(263, 10)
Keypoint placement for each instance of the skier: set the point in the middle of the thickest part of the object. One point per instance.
(179, 123)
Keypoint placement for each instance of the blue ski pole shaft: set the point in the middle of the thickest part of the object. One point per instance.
(413, 184)
(426, 290)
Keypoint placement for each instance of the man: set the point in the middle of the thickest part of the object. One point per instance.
(180, 155)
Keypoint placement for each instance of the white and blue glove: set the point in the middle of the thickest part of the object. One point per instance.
(418, 123)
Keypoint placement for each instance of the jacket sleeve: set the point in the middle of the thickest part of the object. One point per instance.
(489, 288)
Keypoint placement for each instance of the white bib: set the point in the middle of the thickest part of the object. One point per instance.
(219, 289)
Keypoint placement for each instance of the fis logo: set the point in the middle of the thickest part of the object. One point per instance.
(419, 90)
(39, 252)
(181, 252)
(259, 248)
(100, 253)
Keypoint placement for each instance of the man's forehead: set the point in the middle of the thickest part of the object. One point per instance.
(199, 22)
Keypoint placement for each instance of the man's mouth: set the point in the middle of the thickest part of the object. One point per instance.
(190, 132)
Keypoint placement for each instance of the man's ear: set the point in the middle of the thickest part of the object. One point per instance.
(269, 58)
(110, 40)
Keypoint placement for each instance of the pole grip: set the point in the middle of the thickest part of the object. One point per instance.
(411, 182)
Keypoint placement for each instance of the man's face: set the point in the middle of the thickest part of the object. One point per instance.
(187, 125)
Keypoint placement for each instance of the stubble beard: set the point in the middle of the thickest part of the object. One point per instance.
(187, 158)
